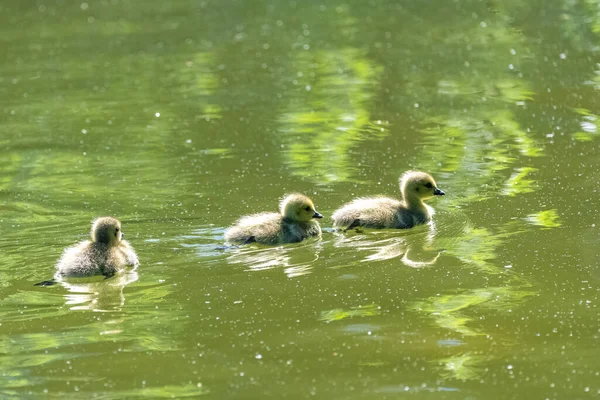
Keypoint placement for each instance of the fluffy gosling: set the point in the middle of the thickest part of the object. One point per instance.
(385, 212)
(105, 254)
(294, 223)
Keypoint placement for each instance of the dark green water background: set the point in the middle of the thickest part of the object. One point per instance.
(179, 116)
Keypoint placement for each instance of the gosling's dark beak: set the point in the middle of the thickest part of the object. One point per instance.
(122, 234)
(438, 192)
(317, 215)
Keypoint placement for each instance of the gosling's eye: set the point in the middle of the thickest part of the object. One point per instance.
(307, 208)
(428, 185)
(117, 229)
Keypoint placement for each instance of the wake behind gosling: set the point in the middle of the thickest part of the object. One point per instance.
(105, 254)
(386, 212)
(294, 223)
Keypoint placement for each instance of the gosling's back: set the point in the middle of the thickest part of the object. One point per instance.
(370, 212)
(262, 228)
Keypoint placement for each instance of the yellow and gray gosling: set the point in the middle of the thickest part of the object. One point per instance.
(294, 223)
(385, 212)
(105, 254)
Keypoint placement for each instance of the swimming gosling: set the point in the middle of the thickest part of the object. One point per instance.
(294, 223)
(385, 212)
(106, 254)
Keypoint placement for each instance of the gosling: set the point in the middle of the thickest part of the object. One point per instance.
(106, 254)
(385, 212)
(294, 223)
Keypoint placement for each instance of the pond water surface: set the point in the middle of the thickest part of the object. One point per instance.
(178, 117)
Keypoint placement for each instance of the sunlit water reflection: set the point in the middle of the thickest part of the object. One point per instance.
(178, 117)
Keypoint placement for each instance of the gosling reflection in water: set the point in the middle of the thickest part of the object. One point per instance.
(295, 260)
(98, 295)
(294, 223)
(385, 212)
(105, 254)
(414, 250)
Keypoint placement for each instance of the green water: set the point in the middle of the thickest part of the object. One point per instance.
(178, 117)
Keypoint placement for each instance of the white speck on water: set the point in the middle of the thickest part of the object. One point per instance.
(509, 367)
(483, 24)
(84, 6)
(510, 66)
(258, 356)
(513, 51)
(157, 114)
(307, 87)
(306, 47)
(563, 56)
(84, 131)
(508, 266)
(416, 105)
(188, 141)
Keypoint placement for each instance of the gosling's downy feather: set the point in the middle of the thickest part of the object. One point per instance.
(385, 212)
(294, 223)
(106, 254)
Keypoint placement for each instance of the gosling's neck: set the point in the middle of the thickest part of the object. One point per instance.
(414, 202)
(107, 243)
(289, 220)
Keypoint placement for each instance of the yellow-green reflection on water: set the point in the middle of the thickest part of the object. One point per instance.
(178, 117)
(339, 314)
(324, 125)
(548, 219)
(462, 367)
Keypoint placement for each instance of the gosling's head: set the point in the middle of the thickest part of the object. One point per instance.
(298, 207)
(107, 230)
(419, 184)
